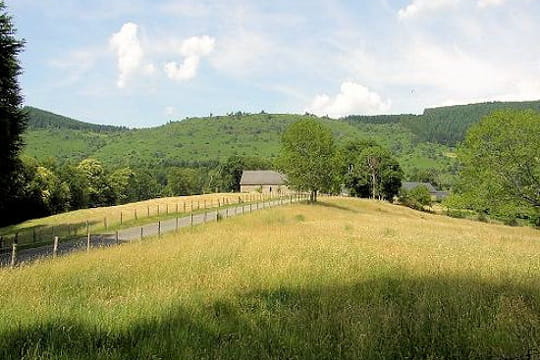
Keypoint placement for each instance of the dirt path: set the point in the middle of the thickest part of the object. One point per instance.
(134, 233)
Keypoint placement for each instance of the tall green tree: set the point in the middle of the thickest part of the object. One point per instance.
(500, 161)
(12, 117)
(308, 157)
(371, 170)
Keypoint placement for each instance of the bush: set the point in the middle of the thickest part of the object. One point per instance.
(416, 198)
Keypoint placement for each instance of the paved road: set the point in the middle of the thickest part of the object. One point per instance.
(130, 234)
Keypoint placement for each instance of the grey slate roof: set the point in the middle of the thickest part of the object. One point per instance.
(262, 177)
(411, 185)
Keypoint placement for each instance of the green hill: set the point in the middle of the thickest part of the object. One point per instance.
(205, 139)
(419, 141)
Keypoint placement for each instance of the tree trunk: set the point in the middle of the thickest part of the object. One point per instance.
(373, 185)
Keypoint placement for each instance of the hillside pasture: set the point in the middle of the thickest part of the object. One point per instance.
(102, 219)
(345, 279)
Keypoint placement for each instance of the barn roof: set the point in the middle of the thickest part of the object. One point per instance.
(262, 177)
(411, 185)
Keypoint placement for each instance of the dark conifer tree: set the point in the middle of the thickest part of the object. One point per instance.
(12, 116)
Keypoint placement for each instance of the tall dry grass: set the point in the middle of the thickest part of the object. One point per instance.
(349, 279)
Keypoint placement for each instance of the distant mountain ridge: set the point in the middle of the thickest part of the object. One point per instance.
(42, 119)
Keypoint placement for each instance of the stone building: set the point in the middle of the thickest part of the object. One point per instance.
(263, 181)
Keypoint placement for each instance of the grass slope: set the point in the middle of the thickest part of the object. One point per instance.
(347, 279)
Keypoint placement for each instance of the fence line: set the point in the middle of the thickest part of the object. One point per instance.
(41, 235)
(222, 211)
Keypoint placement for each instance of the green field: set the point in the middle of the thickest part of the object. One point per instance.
(345, 279)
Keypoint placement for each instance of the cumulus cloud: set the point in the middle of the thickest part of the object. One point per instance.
(353, 98)
(128, 50)
(193, 49)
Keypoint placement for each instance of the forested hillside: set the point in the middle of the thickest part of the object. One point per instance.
(210, 139)
(420, 142)
(443, 125)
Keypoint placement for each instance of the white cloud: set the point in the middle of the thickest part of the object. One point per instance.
(128, 50)
(418, 7)
(486, 3)
(353, 98)
(193, 49)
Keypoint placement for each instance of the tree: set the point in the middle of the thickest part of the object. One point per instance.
(12, 117)
(308, 157)
(183, 181)
(54, 193)
(119, 181)
(416, 198)
(99, 191)
(500, 161)
(370, 170)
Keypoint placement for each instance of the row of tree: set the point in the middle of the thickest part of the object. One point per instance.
(314, 162)
(41, 189)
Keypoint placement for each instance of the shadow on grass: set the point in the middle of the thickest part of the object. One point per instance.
(386, 318)
(335, 206)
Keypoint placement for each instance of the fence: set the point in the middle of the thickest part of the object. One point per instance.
(160, 218)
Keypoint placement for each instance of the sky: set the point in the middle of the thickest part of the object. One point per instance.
(142, 63)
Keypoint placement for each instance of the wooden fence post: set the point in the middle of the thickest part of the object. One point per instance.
(142, 235)
(55, 246)
(226, 212)
(135, 214)
(159, 229)
(13, 254)
(176, 212)
(121, 218)
(147, 210)
(250, 208)
(167, 208)
(88, 241)
(184, 207)
(191, 219)
(117, 238)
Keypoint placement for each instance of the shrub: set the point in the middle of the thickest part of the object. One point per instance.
(416, 198)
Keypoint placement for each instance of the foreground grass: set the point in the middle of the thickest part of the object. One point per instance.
(345, 279)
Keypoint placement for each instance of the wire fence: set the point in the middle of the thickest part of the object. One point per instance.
(126, 224)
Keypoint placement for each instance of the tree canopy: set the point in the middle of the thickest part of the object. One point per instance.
(308, 157)
(371, 170)
(500, 161)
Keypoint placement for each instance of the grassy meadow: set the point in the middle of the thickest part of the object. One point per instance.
(345, 279)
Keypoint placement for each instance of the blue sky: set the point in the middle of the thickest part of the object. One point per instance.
(142, 63)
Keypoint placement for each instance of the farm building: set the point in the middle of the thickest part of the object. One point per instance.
(265, 181)
(436, 195)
